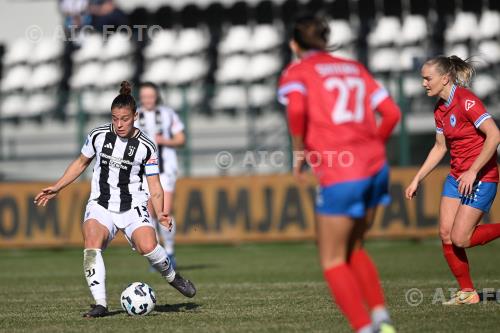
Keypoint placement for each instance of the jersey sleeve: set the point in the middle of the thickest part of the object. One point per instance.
(151, 167)
(290, 81)
(439, 123)
(177, 126)
(375, 92)
(88, 149)
(474, 110)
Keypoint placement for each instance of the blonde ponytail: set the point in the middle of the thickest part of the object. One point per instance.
(460, 71)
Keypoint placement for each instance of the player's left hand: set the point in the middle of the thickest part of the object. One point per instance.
(166, 220)
(466, 182)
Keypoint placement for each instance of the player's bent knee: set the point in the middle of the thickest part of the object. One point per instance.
(460, 241)
(146, 247)
(445, 236)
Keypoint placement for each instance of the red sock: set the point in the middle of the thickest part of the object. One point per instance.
(347, 294)
(485, 233)
(367, 276)
(459, 265)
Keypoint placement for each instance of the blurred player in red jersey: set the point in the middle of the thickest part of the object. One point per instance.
(331, 104)
(465, 128)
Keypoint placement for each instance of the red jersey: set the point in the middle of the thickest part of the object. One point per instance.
(339, 126)
(458, 119)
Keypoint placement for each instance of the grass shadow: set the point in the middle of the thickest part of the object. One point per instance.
(180, 307)
(195, 267)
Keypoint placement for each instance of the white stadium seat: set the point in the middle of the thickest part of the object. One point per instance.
(414, 29)
(233, 68)
(412, 86)
(263, 66)
(387, 31)
(384, 60)
(159, 71)
(489, 25)
(115, 72)
(18, 52)
(236, 40)
(460, 50)
(118, 45)
(103, 104)
(46, 50)
(485, 85)
(162, 44)
(489, 50)
(88, 74)
(230, 97)
(16, 78)
(261, 95)
(463, 28)
(341, 33)
(13, 106)
(91, 49)
(189, 69)
(44, 76)
(409, 55)
(90, 101)
(265, 37)
(40, 103)
(190, 41)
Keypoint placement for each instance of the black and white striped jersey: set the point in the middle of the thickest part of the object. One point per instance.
(119, 168)
(165, 121)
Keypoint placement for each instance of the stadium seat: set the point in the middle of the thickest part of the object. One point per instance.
(463, 28)
(189, 69)
(16, 78)
(345, 52)
(115, 72)
(231, 97)
(159, 71)
(485, 85)
(386, 31)
(13, 105)
(40, 103)
(261, 95)
(341, 33)
(263, 65)
(118, 45)
(233, 68)
(412, 57)
(265, 37)
(43, 76)
(413, 30)
(103, 104)
(460, 50)
(91, 49)
(189, 42)
(162, 44)
(489, 25)
(90, 101)
(412, 86)
(236, 40)
(18, 52)
(87, 75)
(384, 60)
(489, 50)
(46, 49)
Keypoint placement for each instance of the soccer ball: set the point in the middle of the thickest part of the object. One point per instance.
(138, 299)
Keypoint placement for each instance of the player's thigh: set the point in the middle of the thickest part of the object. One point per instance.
(144, 239)
(465, 222)
(97, 229)
(333, 234)
(447, 212)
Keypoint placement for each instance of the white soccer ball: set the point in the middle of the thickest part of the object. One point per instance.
(138, 299)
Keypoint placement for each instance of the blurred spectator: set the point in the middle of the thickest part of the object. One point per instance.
(106, 13)
(76, 13)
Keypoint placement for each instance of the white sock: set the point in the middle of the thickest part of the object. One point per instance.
(95, 274)
(159, 260)
(380, 315)
(365, 329)
(168, 237)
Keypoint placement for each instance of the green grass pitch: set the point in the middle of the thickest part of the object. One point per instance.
(275, 287)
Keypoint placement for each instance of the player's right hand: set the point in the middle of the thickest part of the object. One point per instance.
(411, 190)
(43, 197)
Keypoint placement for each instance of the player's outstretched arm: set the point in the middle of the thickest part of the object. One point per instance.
(433, 158)
(74, 170)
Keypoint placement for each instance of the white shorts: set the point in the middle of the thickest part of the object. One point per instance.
(167, 180)
(127, 221)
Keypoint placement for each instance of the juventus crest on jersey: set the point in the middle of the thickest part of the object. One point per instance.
(119, 168)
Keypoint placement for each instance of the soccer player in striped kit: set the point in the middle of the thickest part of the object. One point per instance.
(118, 201)
(465, 128)
(164, 125)
(331, 104)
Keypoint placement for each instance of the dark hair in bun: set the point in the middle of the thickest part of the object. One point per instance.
(125, 99)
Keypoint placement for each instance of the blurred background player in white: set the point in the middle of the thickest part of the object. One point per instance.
(164, 125)
(118, 201)
(465, 128)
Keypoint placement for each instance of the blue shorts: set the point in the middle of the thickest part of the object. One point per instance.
(355, 197)
(482, 198)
